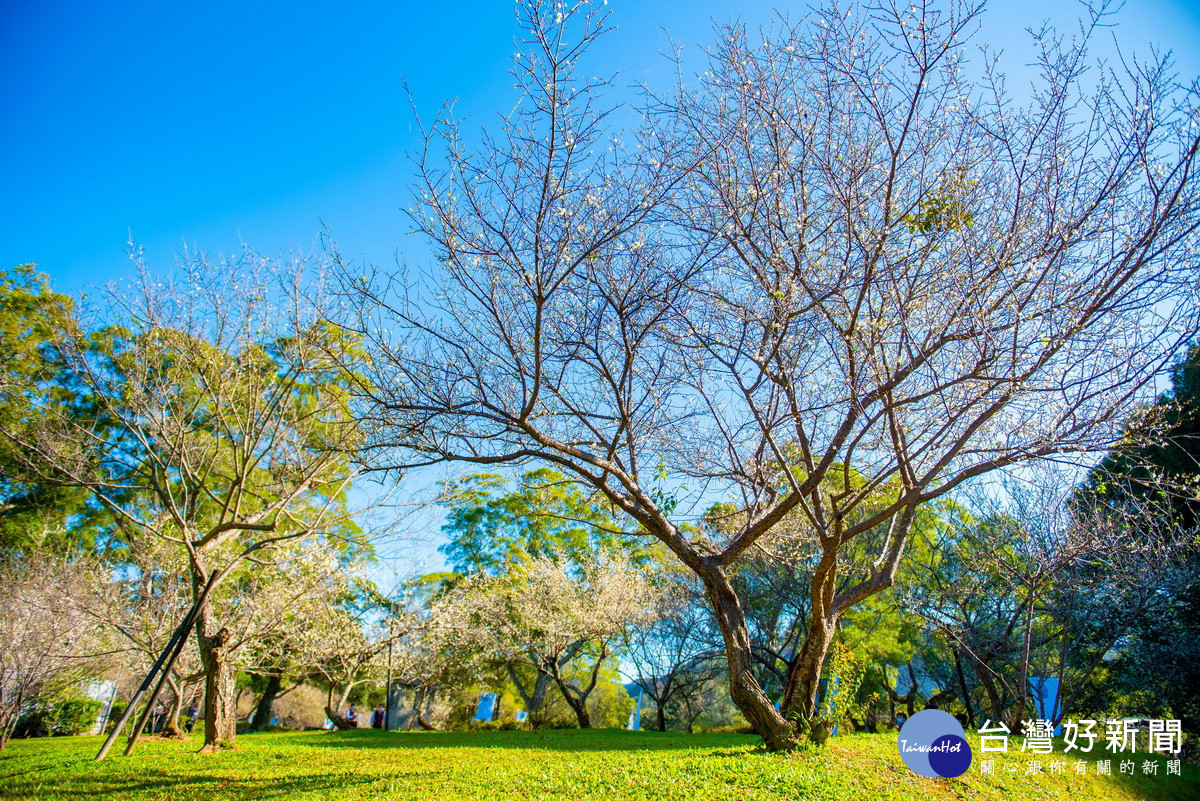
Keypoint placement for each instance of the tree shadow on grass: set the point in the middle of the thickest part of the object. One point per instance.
(161, 783)
(551, 739)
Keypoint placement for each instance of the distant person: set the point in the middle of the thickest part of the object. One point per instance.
(192, 714)
(377, 718)
(156, 719)
(352, 716)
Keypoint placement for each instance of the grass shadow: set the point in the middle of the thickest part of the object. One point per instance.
(550, 739)
(192, 785)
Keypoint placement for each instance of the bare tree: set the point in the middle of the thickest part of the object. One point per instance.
(552, 617)
(675, 655)
(47, 640)
(1031, 586)
(845, 261)
(220, 425)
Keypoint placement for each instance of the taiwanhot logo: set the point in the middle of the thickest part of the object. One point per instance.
(932, 743)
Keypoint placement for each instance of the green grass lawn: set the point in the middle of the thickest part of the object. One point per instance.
(567, 764)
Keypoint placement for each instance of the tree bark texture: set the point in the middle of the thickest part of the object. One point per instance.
(220, 712)
(777, 732)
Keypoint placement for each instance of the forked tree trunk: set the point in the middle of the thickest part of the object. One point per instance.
(340, 722)
(575, 697)
(579, 707)
(331, 709)
(535, 702)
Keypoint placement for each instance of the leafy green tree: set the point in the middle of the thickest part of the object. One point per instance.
(490, 527)
(35, 511)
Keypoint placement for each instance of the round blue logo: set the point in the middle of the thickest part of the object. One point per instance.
(933, 744)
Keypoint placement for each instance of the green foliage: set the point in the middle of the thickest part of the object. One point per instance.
(114, 715)
(34, 512)
(844, 676)
(943, 209)
(490, 526)
(840, 700)
(60, 716)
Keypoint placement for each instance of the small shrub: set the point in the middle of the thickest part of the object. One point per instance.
(59, 717)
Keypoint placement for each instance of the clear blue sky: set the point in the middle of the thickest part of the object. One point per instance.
(208, 121)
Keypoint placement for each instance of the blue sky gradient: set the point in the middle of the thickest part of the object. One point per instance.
(211, 122)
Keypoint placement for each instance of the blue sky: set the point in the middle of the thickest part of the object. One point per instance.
(210, 123)
(206, 122)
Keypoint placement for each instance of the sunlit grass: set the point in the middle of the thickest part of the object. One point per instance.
(567, 764)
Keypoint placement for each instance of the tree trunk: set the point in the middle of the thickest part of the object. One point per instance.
(416, 707)
(579, 707)
(262, 712)
(171, 727)
(535, 702)
(801, 696)
(575, 697)
(8, 718)
(220, 713)
(342, 723)
(962, 683)
(423, 719)
(540, 688)
(777, 733)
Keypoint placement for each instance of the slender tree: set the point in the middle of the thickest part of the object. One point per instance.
(219, 424)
